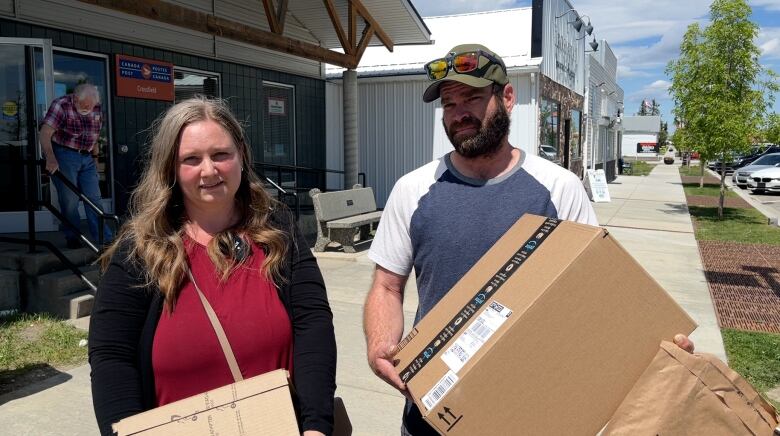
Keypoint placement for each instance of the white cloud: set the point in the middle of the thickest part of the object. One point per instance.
(769, 42)
(624, 71)
(658, 90)
(620, 22)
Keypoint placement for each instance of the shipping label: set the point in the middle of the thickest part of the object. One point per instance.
(474, 337)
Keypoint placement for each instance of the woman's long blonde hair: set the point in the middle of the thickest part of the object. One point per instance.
(155, 228)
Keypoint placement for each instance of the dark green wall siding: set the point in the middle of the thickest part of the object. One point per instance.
(241, 85)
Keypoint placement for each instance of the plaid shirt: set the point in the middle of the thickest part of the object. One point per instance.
(71, 128)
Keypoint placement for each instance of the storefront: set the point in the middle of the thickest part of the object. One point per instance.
(543, 48)
(49, 47)
(604, 112)
(561, 45)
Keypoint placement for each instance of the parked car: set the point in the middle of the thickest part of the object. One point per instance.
(548, 152)
(742, 175)
(765, 180)
(755, 154)
(715, 166)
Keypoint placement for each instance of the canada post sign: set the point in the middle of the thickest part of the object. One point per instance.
(144, 78)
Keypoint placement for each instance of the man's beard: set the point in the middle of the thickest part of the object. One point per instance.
(488, 138)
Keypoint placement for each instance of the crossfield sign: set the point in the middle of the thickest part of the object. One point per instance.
(144, 78)
(647, 147)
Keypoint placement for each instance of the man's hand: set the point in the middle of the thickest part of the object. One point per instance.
(683, 342)
(383, 323)
(51, 164)
(380, 359)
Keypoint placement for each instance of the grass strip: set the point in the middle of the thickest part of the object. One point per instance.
(641, 168)
(707, 190)
(756, 356)
(28, 340)
(744, 225)
(693, 170)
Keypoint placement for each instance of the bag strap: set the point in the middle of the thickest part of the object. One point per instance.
(223, 340)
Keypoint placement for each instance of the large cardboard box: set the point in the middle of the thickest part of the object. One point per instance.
(261, 405)
(545, 335)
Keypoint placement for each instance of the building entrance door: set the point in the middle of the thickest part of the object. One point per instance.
(24, 86)
(279, 133)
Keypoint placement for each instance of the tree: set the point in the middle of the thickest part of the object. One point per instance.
(649, 107)
(772, 128)
(720, 91)
(663, 134)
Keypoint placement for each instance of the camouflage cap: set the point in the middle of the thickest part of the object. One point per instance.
(487, 73)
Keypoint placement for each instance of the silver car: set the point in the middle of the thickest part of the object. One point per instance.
(765, 180)
(741, 176)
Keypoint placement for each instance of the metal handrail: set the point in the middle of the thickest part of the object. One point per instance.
(280, 168)
(278, 188)
(102, 216)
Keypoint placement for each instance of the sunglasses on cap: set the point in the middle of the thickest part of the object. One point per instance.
(461, 63)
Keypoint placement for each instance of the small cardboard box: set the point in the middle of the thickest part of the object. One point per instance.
(261, 405)
(545, 335)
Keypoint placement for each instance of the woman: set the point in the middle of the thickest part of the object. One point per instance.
(199, 206)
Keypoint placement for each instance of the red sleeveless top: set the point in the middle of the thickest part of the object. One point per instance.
(186, 356)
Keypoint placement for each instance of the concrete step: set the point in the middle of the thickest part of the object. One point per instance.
(9, 291)
(43, 261)
(54, 292)
(79, 304)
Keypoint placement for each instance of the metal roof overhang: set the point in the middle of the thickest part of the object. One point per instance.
(346, 25)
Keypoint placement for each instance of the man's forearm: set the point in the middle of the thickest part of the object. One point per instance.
(45, 140)
(383, 320)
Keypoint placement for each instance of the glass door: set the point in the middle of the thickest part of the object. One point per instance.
(279, 133)
(21, 85)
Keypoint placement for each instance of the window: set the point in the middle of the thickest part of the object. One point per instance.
(189, 83)
(549, 144)
(575, 141)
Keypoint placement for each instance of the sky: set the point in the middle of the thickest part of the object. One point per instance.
(644, 35)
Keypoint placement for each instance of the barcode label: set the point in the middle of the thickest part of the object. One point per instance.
(480, 330)
(439, 390)
(475, 336)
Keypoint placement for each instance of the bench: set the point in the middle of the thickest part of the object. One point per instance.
(342, 215)
(626, 168)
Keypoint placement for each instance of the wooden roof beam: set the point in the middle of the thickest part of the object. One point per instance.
(368, 33)
(207, 23)
(270, 15)
(346, 43)
(363, 12)
(275, 17)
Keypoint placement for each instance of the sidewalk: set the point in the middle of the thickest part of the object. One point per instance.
(648, 215)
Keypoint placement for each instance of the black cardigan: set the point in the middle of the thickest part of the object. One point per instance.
(125, 317)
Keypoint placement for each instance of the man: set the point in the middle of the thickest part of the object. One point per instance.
(442, 217)
(69, 138)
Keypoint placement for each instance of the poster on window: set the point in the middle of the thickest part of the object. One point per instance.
(647, 147)
(144, 78)
(277, 106)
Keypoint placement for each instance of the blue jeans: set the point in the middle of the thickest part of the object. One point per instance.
(82, 171)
